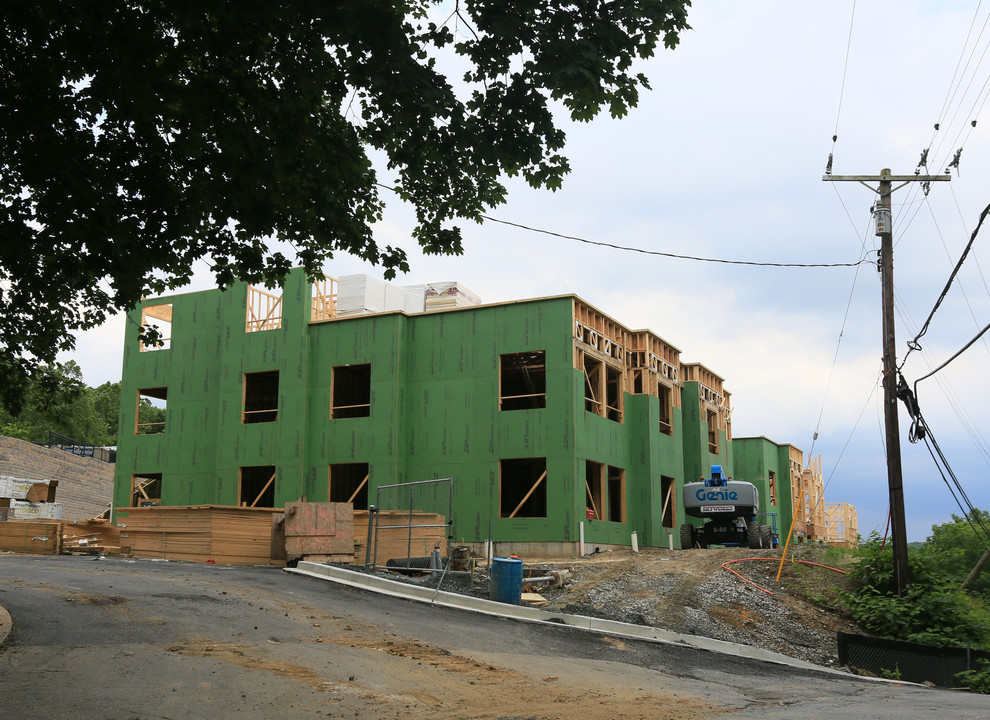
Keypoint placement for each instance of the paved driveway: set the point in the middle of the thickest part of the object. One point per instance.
(141, 639)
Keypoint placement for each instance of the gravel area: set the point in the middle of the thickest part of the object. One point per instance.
(690, 592)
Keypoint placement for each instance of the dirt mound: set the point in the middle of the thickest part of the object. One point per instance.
(689, 591)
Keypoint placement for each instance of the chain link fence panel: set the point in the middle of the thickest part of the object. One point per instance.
(413, 524)
(911, 662)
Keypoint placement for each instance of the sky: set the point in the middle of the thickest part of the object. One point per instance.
(724, 159)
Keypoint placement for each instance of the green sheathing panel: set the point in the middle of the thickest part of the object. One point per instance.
(205, 442)
(697, 460)
(753, 461)
(452, 425)
(378, 341)
(652, 456)
(185, 453)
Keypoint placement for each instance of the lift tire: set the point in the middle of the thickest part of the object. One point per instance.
(687, 536)
(753, 535)
(766, 535)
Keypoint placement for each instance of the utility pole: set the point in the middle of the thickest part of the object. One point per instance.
(895, 482)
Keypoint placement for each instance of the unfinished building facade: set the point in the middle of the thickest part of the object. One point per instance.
(546, 413)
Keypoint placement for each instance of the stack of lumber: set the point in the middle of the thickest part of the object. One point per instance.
(92, 537)
(204, 533)
(320, 532)
(38, 537)
(393, 536)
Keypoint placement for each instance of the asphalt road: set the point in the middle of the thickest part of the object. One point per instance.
(141, 639)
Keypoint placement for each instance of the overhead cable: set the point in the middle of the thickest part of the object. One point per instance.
(842, 89)
(959, 352)
(673, 255)
(921, 431)
(913, 344)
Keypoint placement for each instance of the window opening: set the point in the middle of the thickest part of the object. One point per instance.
(151, 411)
(616, 494)
(773, 488)
(594, 497)
(264, 310)
(349, 483)
(257, 486)
(668, 514)
(712, 419)
(613, 394)
(666, 420)
(351, 392)
(260, 397)
(523, 381)
(523, 488)
(156, 320)
(146, 490)
(593, 385)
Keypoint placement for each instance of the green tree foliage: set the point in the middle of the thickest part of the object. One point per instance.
(106, 401)
(959, 547)
(57, 400)
(933, 610)
(139, 137)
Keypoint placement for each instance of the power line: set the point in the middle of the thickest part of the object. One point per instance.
(959, 352)
(842, 87)
(838, 343)
(658, 253)
(913, 344)
(672, 255)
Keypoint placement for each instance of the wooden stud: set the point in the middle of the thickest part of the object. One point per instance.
(355, 493)
(531, 491)
(264, 489)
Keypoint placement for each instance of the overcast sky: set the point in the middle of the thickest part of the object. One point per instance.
(724, 159)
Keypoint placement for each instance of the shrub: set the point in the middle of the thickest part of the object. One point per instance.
(933, 610)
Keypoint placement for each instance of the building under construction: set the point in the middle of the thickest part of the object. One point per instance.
(551, 418)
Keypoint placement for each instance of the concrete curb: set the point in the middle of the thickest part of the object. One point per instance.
(384, 586)
(5, 625)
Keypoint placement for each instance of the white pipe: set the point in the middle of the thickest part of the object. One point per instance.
(581, 538)
(635, 542)
(670, 539)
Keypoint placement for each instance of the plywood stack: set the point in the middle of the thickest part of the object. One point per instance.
(322, 532)
(37, 537)
(393, 536)
(205, 533)
(92, 537)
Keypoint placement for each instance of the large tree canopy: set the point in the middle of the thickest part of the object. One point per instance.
(137, 137)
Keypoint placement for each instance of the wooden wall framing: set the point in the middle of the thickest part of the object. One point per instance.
(324, 299)
(264, 310)
(841, 525)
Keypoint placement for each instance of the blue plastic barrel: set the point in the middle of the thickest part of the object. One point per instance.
(506, 582)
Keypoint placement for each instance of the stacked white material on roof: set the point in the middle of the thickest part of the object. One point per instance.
(36, 511)
(360, 294)
(444, 295)
(395, 298)
(363, 294)
(415, 298)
